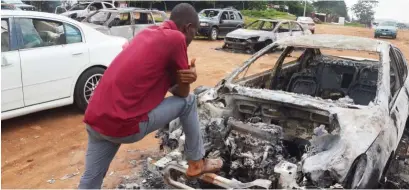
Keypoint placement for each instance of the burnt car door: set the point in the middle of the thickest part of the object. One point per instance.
(283, 30)
(142, 20)
(122, 26)
(224, 25)
(296, 29)
(399, 90)
(235, 21)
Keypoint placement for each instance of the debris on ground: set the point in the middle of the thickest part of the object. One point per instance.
(51, 181)
(67, 176)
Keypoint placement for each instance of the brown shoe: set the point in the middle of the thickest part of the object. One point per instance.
(202, 166)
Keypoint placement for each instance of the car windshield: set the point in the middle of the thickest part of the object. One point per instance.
(99, 18)
(387, 24)
(208, 13)
(261, 25)
(81, 6)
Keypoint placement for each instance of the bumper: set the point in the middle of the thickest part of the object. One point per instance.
(239, 44)
(203, 31)
(385, 33)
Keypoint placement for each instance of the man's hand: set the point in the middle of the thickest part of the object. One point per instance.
(188, 76)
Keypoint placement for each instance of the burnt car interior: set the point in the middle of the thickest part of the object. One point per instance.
(262, 25)
(324, 76)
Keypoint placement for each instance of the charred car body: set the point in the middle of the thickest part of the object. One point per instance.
(261, 33)
(82, 9)
(315, 120)
(123, 22)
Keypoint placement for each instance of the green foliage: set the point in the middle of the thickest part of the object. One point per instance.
(355, 24)
(296, 7)
(335, 8)
(252, 15)
(364, 10)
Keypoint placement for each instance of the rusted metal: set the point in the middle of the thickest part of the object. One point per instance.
(212, 179)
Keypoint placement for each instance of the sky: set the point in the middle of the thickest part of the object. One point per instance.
(388, 9)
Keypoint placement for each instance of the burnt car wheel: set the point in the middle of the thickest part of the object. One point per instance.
(86, 85)
(214, 33)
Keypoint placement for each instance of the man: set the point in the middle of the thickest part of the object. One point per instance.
(129, 101)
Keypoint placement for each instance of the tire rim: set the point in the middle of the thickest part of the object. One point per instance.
(90, 86)
(214, 34)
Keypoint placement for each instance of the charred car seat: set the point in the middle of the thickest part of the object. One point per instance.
(303, 83)
(364, 90)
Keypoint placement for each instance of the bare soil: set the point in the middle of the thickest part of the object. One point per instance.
(51, 144)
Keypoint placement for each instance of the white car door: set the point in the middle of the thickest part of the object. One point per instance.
(11, 85)
(50, 57)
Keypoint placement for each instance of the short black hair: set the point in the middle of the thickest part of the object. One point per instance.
(184, 13)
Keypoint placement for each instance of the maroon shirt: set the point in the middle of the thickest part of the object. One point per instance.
(137, 81)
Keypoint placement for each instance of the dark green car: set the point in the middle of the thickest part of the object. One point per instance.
(386, 29)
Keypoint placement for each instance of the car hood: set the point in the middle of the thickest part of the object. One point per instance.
(386, 27)
(245, 33)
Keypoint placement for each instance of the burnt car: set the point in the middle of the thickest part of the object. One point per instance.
(328, 112)
(261, 33)
(123, 22)
(16, 5)
(216, 23)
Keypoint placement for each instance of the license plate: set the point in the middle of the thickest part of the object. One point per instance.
(383, 33)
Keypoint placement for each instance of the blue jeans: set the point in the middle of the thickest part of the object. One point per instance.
(102, 149)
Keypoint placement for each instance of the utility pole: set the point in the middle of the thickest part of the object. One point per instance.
(305, 6)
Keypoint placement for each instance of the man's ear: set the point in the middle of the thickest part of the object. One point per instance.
(187, 28)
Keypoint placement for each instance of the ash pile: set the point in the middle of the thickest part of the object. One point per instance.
(250, 150)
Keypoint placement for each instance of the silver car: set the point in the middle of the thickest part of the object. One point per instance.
(261, 33)
(124, 22)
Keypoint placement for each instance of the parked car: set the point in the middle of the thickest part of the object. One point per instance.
(386, 29)
(81, 10)
(314, 116)
(124, 22)
(216, 23)
(307, 22)
(17, 4)
(261, 33)
(49, 61)
(5, 6)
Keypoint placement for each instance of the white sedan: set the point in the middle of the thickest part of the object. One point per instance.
(50, 61)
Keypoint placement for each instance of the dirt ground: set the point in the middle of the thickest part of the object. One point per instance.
(40, 149)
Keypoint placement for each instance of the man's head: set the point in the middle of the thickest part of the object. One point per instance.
(186, 19)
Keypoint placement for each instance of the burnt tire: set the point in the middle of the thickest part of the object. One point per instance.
(214, 33)
(87, 82)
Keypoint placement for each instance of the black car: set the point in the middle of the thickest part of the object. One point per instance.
(215, 23)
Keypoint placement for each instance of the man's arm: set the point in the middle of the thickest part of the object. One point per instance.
(181, 90)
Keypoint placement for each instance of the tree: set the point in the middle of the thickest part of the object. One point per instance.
(364, 11)
(334, 8)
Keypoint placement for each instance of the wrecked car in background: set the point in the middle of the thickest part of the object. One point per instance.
(316, 116)
(82, 9)
(261, 33)
(123, 22)
(307, 22)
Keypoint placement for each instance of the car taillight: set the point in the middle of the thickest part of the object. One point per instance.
(126, 44)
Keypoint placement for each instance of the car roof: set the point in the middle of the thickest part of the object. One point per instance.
(331, 41)
(127, 9)
(272, 20)
(32, 13)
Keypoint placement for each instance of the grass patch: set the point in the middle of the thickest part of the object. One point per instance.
(253, 15)
(355, 24)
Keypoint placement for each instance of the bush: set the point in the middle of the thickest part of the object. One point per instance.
(355, 24)
(253, 15)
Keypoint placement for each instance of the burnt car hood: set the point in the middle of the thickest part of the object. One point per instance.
(246, 34)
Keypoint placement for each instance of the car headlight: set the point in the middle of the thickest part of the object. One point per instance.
(253, 39)
(204, 24)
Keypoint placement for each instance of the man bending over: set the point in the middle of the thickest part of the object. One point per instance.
(130, 102)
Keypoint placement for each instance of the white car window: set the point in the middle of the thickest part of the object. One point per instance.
(284, 27)
(295, 27)
(41, 33)
(72, 33)
(143, 18)
(99, 18)
(107, 5)
(5, 38)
